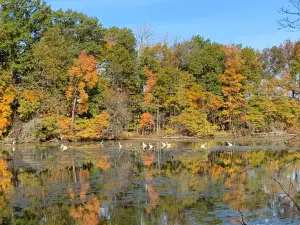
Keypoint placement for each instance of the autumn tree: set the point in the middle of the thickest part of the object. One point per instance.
(151, 80)
(231, 87)
(295, 69)
(7, 96)
(192, 122)
(146, 121)
(160, 62)
(83, 76)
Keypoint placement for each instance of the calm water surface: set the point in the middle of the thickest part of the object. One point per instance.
(93, 184)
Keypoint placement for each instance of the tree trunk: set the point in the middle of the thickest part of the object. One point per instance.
(73, 112)
(157, 121)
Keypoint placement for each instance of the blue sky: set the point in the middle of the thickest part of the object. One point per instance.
(249, 22)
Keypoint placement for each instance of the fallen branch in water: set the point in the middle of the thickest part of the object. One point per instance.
(242, 222)
(287, 194)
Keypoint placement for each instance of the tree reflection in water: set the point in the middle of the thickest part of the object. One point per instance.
(42, 185)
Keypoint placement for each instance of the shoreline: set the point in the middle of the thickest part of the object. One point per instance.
(158, 137)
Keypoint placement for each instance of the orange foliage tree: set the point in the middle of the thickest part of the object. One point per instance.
(82, 75)
(146, 121)
(151, 81)
(6, 99)
(231, 85)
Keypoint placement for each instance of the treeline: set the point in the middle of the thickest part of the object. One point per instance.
(62, 74)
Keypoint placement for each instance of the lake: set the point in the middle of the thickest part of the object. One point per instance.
(94, 184)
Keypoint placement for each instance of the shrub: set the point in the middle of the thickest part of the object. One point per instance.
(193, 123)
(85, 129)
(47, 129)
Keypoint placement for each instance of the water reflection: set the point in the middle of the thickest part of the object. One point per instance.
(94, 184)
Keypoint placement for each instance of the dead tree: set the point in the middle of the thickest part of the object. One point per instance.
(144, 35)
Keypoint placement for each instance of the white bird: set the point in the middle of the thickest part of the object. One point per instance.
(14, 142)
(203, 146)
(227, 143)
(150, 146)
(168, 145)
(120, 146)
(163, 145)
(144, 145)
(101, 143)
(63, 147)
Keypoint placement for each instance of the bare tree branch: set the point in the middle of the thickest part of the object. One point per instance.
(292, 20)
(144, 33)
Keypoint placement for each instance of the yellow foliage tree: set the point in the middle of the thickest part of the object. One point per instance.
(30, 102)
(84, 129)
(231, 85)
(7, 95)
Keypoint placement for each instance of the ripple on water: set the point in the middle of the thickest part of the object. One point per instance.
(182, 184)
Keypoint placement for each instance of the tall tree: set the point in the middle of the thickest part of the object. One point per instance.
(231, 87)
(7, 95)
(83, 32)
(83, 76)
(22, 23)
(206, 61)
(273, 61)
(52, 57)
(120, 59)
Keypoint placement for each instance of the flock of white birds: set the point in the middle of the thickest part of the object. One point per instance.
(148, 146)
(145, 146)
